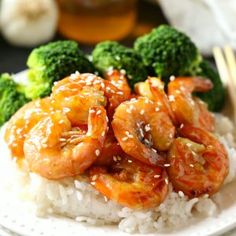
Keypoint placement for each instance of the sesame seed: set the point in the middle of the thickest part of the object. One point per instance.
(156, 176)
(142, 112)
(99, 112)
(130, 161)
(62, 139)
(66, 109)
(147, 127)
(154, 150)
(167, 165)
(97, 152)
(94, 177)
(114, 158)
(103, 133)
(93, 183)
(181, 194)
(91, 111)
(74, 75)
(106, 199)
(172, 78)
(191, 165)
(171, 98)
(124, 139)
(181, 126)
(157, 109)
(182, 88)
(120, 93)
(133, 100)
(166, 181)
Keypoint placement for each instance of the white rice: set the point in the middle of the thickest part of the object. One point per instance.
(79, 200)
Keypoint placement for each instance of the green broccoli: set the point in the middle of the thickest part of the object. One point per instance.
(52, 62)
(111, 54)
(216, 97)
(168, 52)
(10, 98)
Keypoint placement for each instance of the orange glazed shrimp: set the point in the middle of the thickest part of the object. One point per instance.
(53, 150)
(119, 80)
(20, 124)
(187, 109)
(142, 128)
(153, 88)
(78, 92)
(131, 183)
(117, 90)
(198, 162)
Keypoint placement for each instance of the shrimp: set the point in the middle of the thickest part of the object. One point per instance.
(187, 109)
(153, 88)
(78, 92)
(20, 124)
(141, 129)
(117, 90)
(198, 162)
(131, 183)
(54, 150)
(119, 80)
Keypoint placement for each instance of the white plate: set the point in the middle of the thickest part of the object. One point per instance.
(24, 223)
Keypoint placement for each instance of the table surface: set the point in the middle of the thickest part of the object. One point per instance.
(13, 59)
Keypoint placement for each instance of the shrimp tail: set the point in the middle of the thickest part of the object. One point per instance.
(97, 123)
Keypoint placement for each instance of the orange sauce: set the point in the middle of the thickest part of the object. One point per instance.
(98, 20)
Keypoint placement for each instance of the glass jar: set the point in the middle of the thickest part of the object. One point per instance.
(91, 21)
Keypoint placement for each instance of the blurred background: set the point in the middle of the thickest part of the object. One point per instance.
(25, 24)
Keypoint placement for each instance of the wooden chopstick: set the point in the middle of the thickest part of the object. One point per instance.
(226, 66)
(230, 58)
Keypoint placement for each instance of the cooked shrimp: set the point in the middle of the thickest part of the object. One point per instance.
(20, 124)
(153, 88)
(187, 109)
(54, 150)
(119, 80)
(117, 90)
(78, 92)
(131, 183)
(142, 129)
(198, 162)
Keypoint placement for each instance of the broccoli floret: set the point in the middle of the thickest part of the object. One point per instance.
(214, 98)
(111, 54)
(52, 62)
(10, 98)
(168, 52)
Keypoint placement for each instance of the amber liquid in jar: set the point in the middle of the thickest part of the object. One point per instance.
(92, 21)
